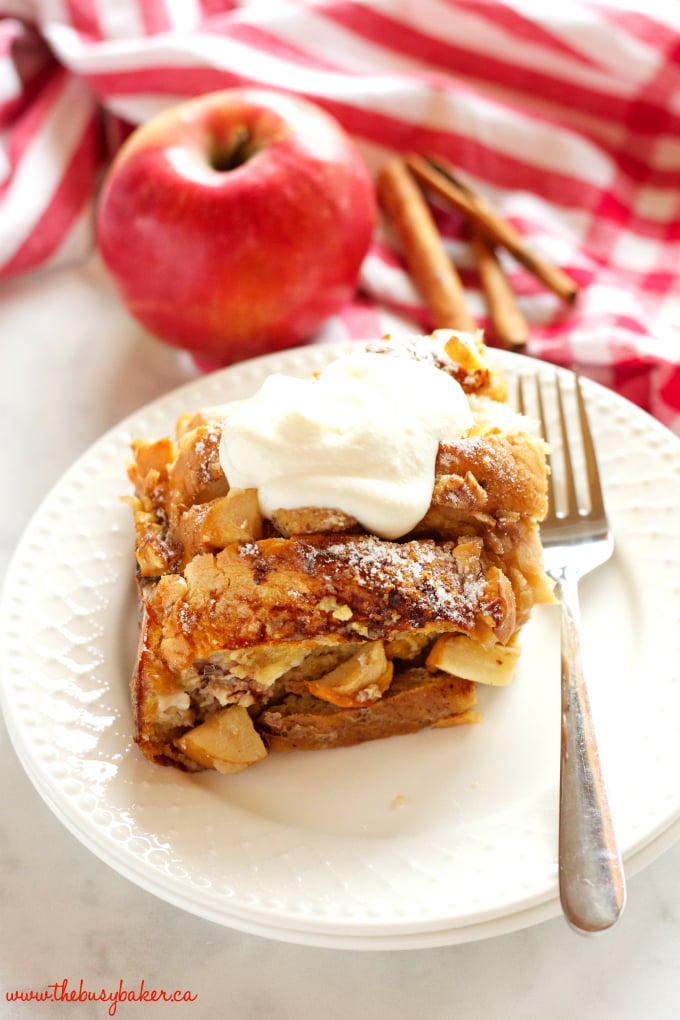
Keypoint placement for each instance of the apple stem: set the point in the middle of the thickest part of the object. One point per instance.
(236, 153)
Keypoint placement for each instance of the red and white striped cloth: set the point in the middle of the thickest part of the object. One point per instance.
(565, 115)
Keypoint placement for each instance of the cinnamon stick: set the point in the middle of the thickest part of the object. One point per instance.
(508, 324)
(431, 268)
(438, 176)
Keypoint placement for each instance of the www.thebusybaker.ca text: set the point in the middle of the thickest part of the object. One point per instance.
(60, 991)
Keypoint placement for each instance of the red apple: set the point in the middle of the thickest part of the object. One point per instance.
(234, 224)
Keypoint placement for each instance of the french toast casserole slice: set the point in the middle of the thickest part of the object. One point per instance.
(299, 628)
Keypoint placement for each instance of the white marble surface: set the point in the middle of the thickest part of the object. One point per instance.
(72, 366)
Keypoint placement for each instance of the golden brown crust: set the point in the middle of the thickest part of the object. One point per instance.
(332, 587)
(503, 475)
(154, 729)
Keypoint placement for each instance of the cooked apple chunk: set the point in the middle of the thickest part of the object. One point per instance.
(227, 741)
(152, 459)
(153, 556)
(209, 527)
(358, 681)
(458, 655)
(196, 475)
(235, 517)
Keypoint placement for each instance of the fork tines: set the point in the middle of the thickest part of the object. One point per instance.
(574, 487)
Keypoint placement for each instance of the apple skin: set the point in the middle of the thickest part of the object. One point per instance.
(234, 224)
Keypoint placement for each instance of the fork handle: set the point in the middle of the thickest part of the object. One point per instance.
(591, 878)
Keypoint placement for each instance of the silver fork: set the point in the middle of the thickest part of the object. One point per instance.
(577, 539)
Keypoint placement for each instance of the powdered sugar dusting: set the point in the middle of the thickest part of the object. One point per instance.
(206, 450)
(419, 578)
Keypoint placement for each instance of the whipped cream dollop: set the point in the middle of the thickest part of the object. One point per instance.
(361, 437)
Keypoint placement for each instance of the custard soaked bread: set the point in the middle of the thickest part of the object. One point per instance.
(291, 607)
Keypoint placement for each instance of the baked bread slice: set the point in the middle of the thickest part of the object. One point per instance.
(416, 699)
(301, 630)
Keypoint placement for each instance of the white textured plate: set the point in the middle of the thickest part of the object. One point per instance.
(432, 839)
